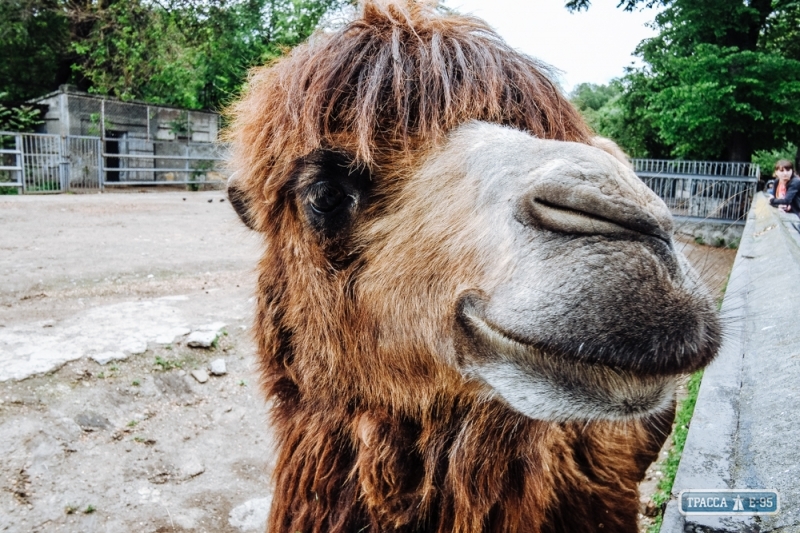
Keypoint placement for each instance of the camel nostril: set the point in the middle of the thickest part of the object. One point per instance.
(572, 220)
(566, 201)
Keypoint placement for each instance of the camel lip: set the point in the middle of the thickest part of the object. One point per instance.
(541, 383)
(485, 337)
(483, 331)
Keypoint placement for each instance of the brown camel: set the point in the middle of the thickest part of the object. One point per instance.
(469, 318)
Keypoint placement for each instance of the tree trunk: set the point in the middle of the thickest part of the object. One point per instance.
(739, 148)
(797, 159)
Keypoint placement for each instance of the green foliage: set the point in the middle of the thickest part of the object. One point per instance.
(720, 94)
(34, 39)
(19, 117)
(613, 111)
(589, 96)
(721, 80)
(188, 53)
(167, 364)
(766, 159)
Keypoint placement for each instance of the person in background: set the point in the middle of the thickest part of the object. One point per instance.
(787, 187)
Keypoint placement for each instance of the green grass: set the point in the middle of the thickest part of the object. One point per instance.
(670, 465)
(44, 186)
(167, 364)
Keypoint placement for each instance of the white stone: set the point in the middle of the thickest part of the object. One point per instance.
(170, 336)
(103, 333)
(200, 375)
(201, 339)
(106, 357)
(251, 515)
(134, 346)
(218, 367)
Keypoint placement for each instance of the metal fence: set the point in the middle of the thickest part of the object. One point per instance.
(40, 163)
(702, 190)
(11, 161)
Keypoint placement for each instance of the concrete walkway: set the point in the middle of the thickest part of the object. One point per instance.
(746, 427)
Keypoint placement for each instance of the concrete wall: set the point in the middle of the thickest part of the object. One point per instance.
(745, 432)
(75, 113)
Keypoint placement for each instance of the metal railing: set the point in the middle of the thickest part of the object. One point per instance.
(42, 163)
(663, 167)
(11, 167)
(38, 163)
(702, 190)
(140, 162)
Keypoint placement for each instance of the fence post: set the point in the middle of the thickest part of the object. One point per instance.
(63, 164)
(20, 160)
(101, 173)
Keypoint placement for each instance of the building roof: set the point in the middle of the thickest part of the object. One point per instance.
(72, 90)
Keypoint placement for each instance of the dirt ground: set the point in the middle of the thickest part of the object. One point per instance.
(137, 444)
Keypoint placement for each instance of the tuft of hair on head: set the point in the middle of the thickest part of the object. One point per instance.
(613, 149)
(784, 163)
(402, 74)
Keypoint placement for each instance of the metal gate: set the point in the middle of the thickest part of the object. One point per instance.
(11, 163)
(42, 163)
(84, 161)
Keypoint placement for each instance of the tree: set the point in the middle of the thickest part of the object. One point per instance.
(188, 53)
(19, 117)
(34, 41)
(721, 79)
(614, 111)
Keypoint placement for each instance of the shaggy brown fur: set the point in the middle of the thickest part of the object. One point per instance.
(375, 431)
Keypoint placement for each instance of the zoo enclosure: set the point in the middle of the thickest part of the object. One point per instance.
(701, 190)
(89, 142)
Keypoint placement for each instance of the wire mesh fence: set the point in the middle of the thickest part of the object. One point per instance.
(724, 199)
(139, 162)
(83, 114)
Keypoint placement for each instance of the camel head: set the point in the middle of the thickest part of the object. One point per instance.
(439, 223)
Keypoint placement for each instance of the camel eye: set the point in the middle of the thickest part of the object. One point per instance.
(324, 197)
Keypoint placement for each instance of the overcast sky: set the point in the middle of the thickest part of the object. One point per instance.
(591, 46)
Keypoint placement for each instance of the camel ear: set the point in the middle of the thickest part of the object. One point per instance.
(238, 200)
(611, 148)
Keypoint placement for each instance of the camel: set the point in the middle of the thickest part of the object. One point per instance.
(470, 313)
